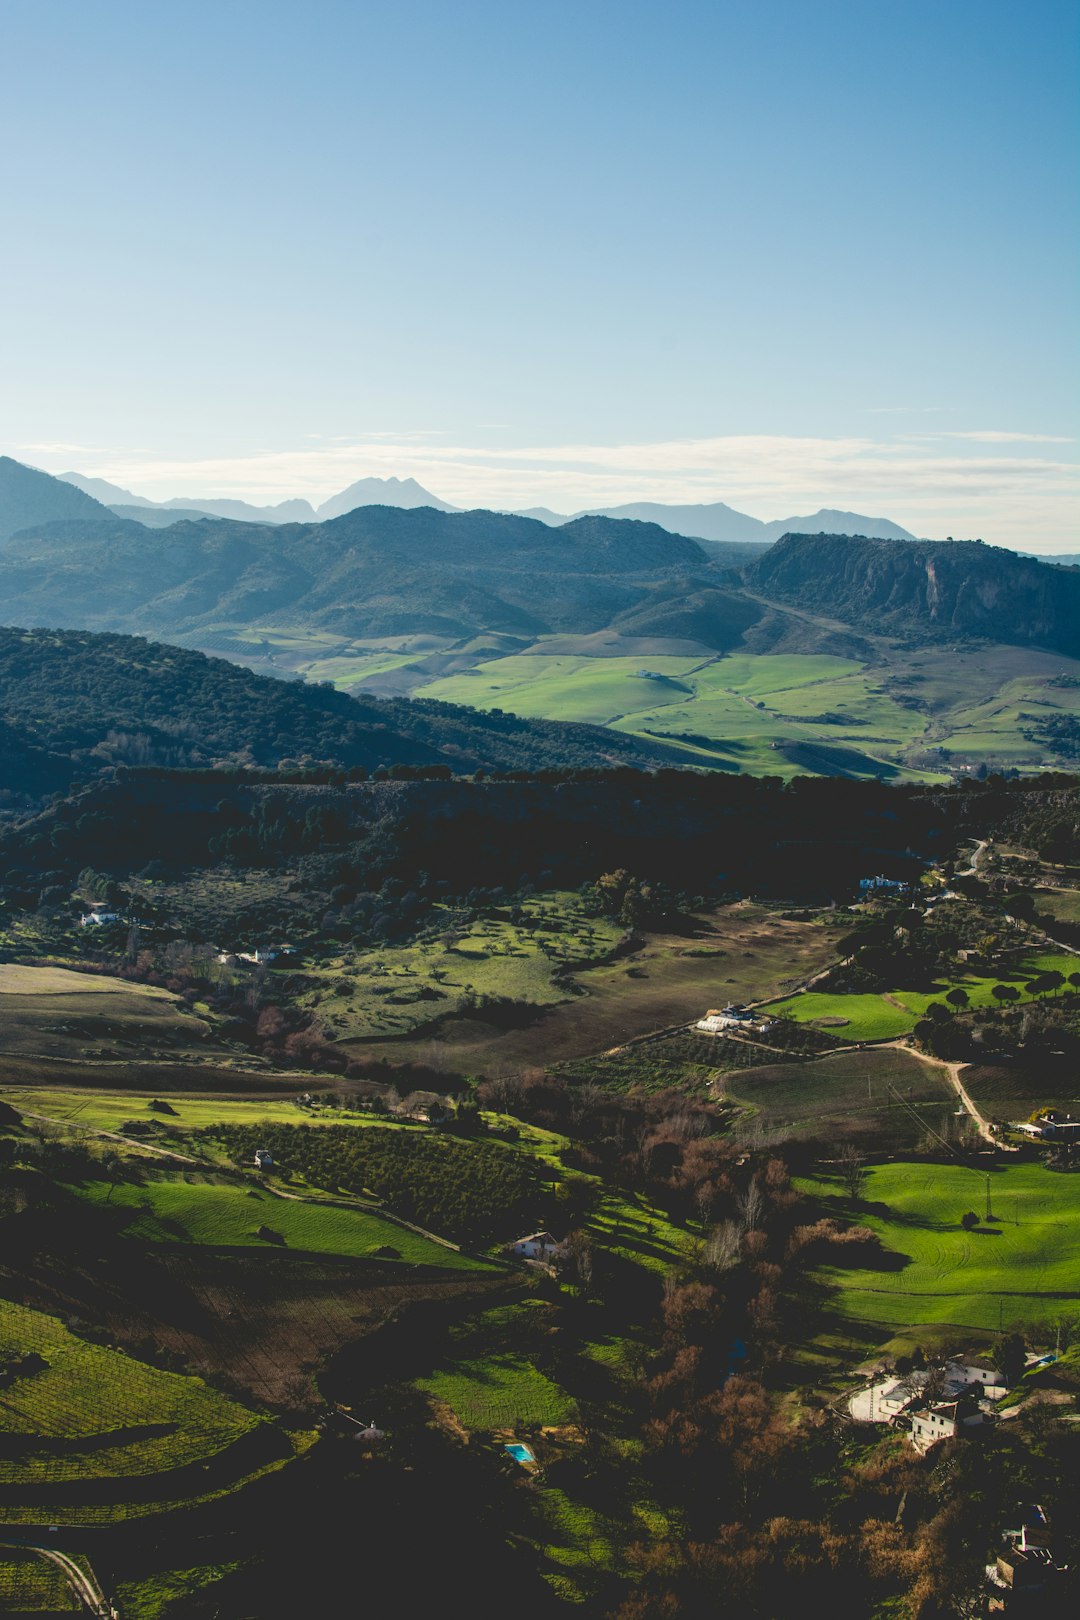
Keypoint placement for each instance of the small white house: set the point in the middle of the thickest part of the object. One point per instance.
(977, 1371)
(941, 1422)
(264, 1159)
(98, 916)
(537, 1246)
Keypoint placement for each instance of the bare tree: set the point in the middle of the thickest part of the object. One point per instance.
(722, 1249)
(853, 1171)
(752, 1206)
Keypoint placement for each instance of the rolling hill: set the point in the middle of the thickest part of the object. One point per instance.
(29, 497)
(74, 705)
(377, 571)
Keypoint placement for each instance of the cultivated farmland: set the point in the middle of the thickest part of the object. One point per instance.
(1024, 1266)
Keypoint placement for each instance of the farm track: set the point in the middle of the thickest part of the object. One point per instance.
(982, 1125)
(83, 1583)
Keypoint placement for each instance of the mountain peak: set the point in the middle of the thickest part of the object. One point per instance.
(28, 496)
(401, 492)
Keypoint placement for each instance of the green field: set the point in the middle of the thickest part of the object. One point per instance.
(874, 1017)
(101, 1110)
(52, 1012)
(1025, 1268)
(499, 1392)
(846, 1094)
(91, 1412)
(179, 1209)
(922, 711)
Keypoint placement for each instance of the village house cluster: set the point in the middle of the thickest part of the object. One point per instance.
(932, 1404)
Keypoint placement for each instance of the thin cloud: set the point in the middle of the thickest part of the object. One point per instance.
(998, 436)
(920, 481)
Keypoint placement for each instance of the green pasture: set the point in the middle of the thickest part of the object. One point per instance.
(597, 690)
(91, 1412)
(1061, 904)
(1024, 1267)
(869, 1016)
(499, 1392)
(394, 989)
(100, 1110)
(739, 952)
(179, 1209)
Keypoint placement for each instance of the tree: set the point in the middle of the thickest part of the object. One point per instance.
(1005, 992)
(957, 997)
(1009, 1357)
(853, 1171)
(969, 1220)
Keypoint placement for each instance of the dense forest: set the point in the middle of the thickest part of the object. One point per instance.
(73, 705)
(700, 834)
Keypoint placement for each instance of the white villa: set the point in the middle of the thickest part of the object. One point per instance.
(717, 1021)
(98, 915)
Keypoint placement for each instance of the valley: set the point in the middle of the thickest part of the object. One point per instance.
(896, 712)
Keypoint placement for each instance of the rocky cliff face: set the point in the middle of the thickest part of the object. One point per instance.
(926, 589)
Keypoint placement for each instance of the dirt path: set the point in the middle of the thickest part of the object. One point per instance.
(82, 1583)
(972, 868)
(982, 1124)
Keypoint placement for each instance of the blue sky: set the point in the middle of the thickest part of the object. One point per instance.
(784, 253)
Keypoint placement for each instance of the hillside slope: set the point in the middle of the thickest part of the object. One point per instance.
(377, 571)
(925, 589)
(74, 704)
(30, 497)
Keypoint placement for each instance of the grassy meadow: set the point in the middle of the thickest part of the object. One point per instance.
(178, 1208)
(1025, 1267)
(53, 1012)
(392, 990)
(741, 952)
(875, 1017)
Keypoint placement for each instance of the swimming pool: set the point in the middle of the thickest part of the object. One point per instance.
(521, 1454)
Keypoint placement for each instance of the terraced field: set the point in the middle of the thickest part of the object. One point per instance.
(82, 1426)
(1023, 1267)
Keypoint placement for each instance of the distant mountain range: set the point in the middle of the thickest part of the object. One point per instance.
(719, 523)
(28, 497)
(401, 492)
(386, 571)
(714, 521)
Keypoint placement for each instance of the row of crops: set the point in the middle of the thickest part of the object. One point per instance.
(75, 1411)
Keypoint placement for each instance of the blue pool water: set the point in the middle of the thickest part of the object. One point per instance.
(521, 1454)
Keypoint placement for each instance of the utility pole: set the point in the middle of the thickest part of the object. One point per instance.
(989, 1211)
